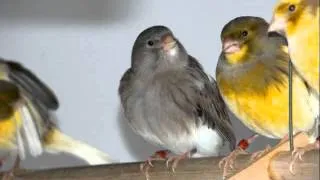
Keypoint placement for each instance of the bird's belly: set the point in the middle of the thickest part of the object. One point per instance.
(161, 124)
(208, 142)
(8, 129)
(267, 114)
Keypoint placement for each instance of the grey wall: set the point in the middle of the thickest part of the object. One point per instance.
(82, 47)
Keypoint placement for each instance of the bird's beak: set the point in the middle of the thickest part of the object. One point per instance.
(277, 25)
(230, 46)
(168, 42)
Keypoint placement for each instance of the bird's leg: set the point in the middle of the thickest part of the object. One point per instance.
(298, 153)
(9, 175)
(157, 156)
(175, 160)
(228, 161)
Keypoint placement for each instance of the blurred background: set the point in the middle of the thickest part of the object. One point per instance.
(81, 48)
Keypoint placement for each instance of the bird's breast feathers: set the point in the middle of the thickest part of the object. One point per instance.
(158, 118)
(267, 112)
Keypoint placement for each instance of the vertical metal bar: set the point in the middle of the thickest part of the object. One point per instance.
(290, 108)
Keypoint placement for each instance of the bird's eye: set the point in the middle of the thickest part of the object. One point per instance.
(292, 8)
(244, 33)
(150, 43)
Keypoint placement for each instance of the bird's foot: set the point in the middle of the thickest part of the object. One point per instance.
(299, 152)
(229, 160)
(157, 156)
(258, 154)
(175, 160)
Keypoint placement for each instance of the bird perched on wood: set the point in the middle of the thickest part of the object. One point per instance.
(170, 101)
(298, 21)
(26, 123)
(252, 76)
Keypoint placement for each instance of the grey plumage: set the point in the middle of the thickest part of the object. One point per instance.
(169, 100)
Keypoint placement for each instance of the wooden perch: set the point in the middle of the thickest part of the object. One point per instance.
(259, 169)
(275, 167)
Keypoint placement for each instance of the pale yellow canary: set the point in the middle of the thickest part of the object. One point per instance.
(298, 21)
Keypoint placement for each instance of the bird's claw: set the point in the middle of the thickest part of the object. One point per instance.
(175, 160)
(159, 155)
(258, 154)
(144, 167)
(229, 161)
(296, 154)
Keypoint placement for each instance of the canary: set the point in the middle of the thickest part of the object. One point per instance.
(298, 21)
(26, 107)
(170, 101)
(252, 76)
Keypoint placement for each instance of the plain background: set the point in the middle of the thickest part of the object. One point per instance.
(81, 48)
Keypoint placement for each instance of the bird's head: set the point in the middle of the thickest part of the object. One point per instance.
(242, 37)
(157, 48)
(289, 14)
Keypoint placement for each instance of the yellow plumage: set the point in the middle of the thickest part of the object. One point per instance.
(8, 127)
(265, 109)
(253, 80)
(239, 56)
(301, 27)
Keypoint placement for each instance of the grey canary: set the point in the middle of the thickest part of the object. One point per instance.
(170, 101)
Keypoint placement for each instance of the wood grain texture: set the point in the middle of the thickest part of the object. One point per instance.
(308, 169)
(191, 169)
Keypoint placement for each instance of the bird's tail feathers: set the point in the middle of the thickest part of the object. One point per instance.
(57, 142)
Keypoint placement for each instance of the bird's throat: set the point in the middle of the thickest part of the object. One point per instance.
(237, 57)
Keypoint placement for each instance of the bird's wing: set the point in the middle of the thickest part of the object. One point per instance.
(30, 83)
(37, 100)
(212, 106)
(124, 86)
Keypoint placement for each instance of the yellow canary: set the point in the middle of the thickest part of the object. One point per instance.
(26, 106)
(298, 21)
(252, 75)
